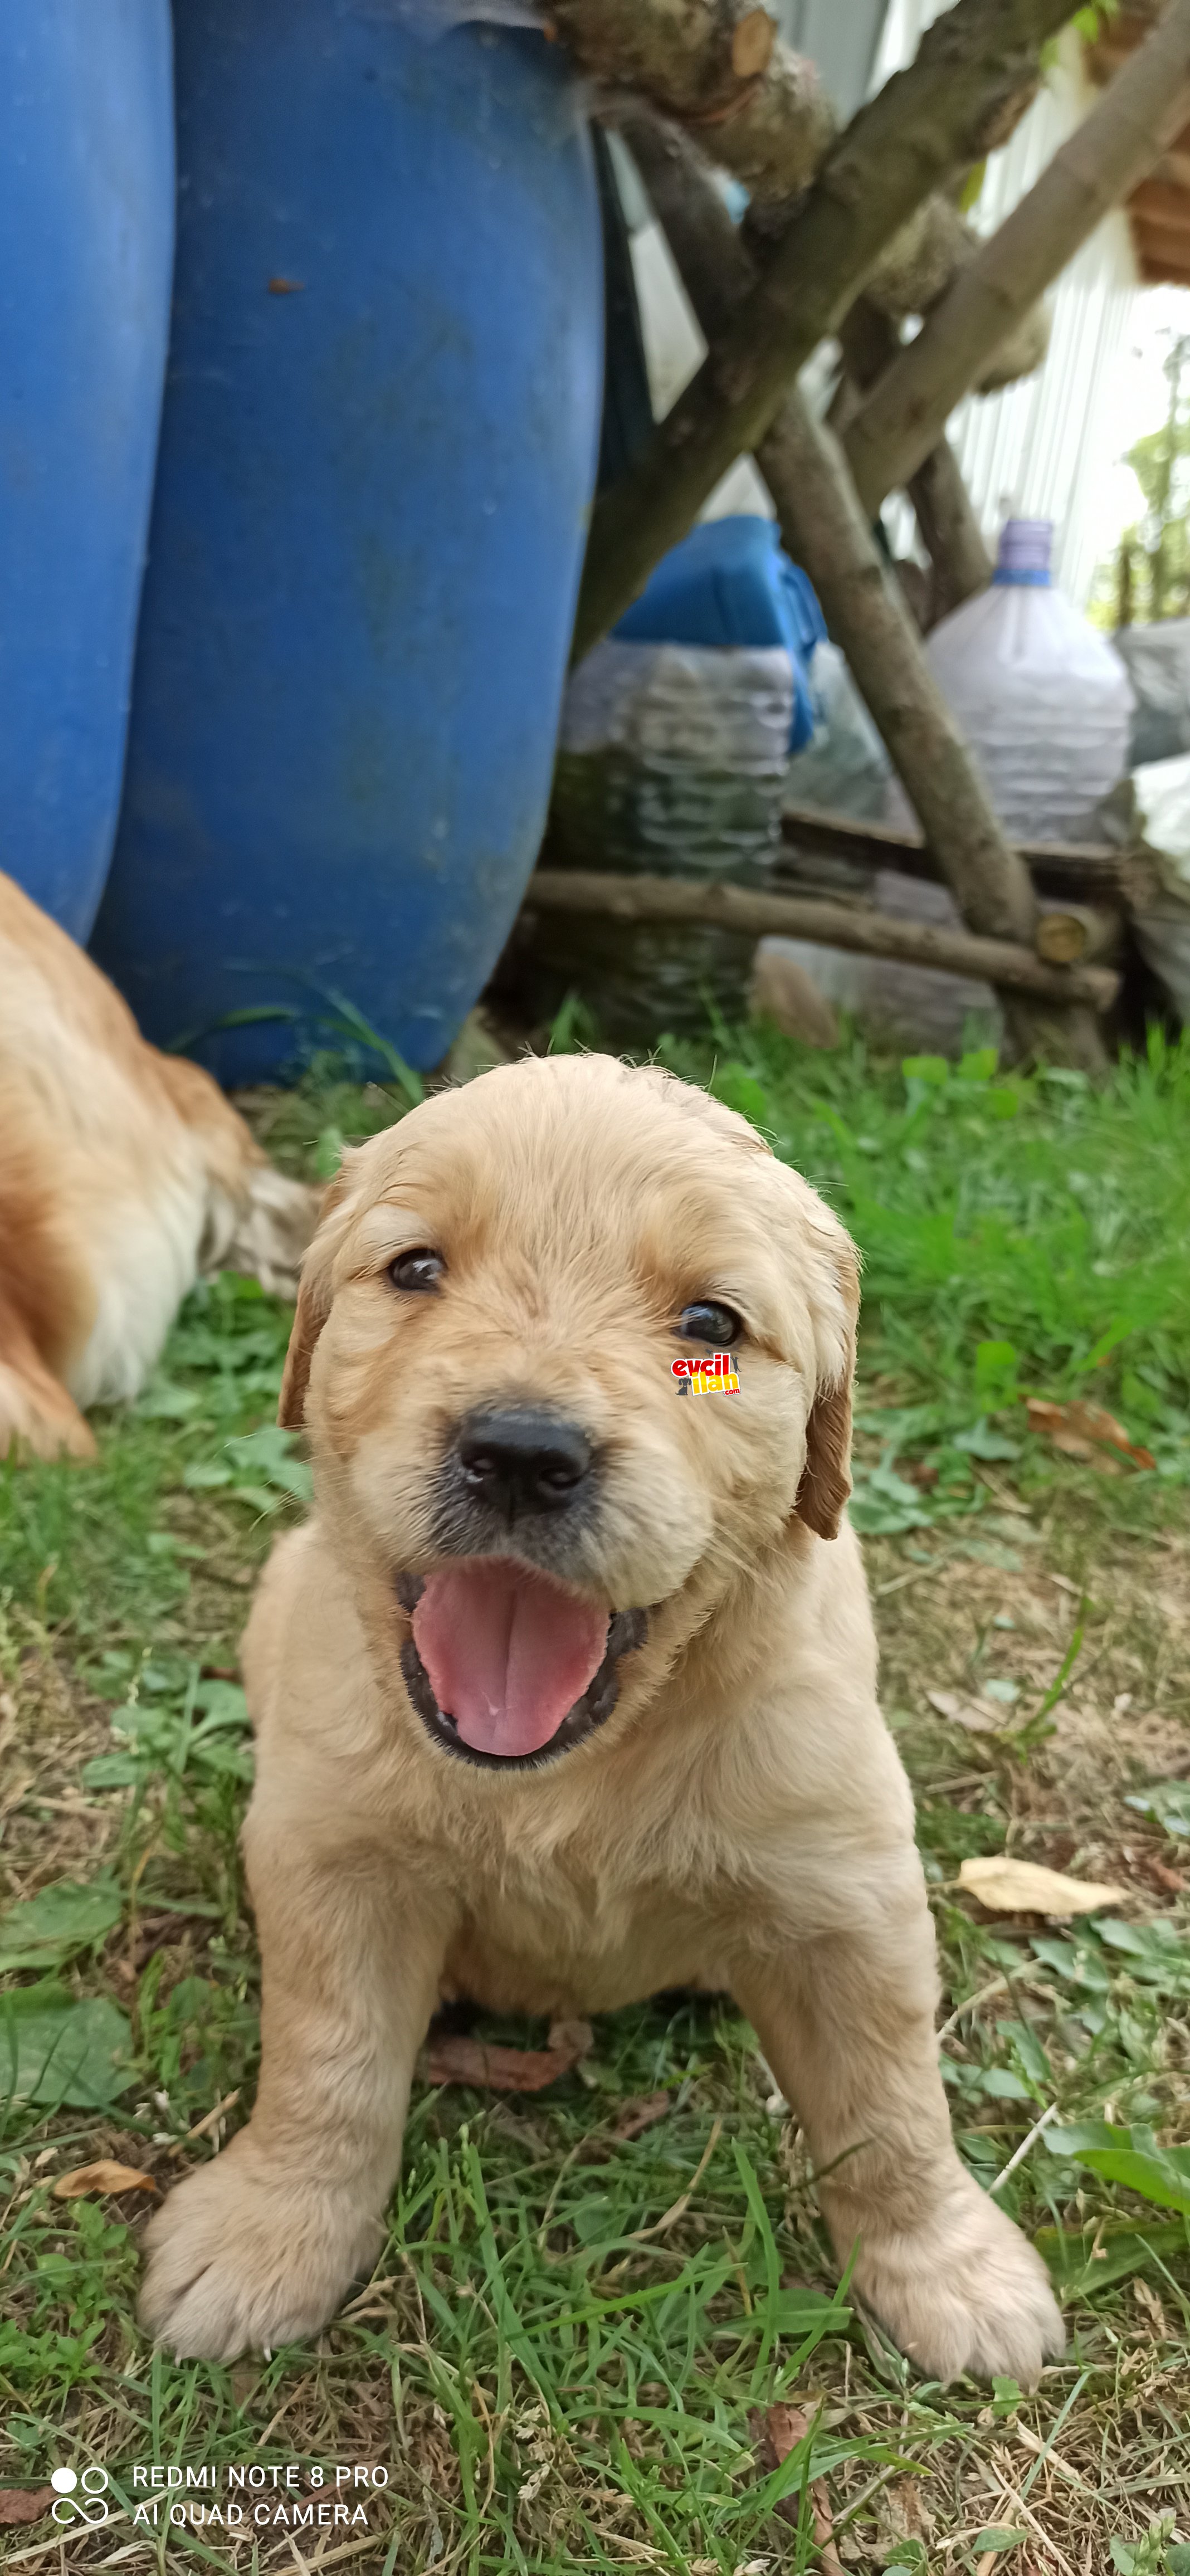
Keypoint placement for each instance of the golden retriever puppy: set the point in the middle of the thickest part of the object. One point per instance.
(567, 1693)
(123, 1173)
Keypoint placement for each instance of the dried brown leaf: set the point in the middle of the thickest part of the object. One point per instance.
(24, 2504)
(1007, 1886)
(456, 2058)
(775, 2433)
(1079, 1429)
(101, 2176)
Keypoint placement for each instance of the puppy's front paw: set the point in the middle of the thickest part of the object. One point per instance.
(967, 2293)
(239, 2259)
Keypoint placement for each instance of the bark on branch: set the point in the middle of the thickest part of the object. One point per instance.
(835, 925)
(715, 65)
(951, 106)
(824, 530)
(921, 263)
(1146, 106)
(1062, 871)
(950, 531)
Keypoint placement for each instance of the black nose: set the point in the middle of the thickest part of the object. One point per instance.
(522, 1460)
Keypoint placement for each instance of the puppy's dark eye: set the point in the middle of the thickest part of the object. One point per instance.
(710, 1322)
(418, 1270)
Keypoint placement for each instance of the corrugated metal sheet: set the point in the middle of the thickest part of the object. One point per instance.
(1039, 448)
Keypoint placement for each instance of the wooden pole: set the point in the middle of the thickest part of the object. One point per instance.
(1012, 969)
(975, 66)
(1063, 871)
(825, 531)
(950, 531)
(1145, 107)
(715, 65)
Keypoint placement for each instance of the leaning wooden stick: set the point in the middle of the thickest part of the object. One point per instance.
(717, 68)
(1011, 968)
(825, 531)
(975, 68)
(949, 529)
(1145, 107)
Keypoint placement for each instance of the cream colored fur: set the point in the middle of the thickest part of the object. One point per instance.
(741, 1820)
(123, 1173)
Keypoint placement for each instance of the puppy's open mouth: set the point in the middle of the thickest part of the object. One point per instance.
(507, 1668)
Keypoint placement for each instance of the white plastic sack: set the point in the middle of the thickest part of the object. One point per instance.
(1157, 660)
(845, 769)
(722, 708)
(1163, 934)
(1162, 792)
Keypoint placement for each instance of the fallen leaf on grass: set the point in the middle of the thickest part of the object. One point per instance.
(1080, 1429)
(24, 2504)
(775, 2434)
(978, 1716)
(1009, 1886)
(101, 2176)
(456, 2058)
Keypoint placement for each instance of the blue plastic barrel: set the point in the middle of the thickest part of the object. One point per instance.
(86, 223)
(378, 451)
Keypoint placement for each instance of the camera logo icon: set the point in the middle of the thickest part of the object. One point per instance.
(80, 2499)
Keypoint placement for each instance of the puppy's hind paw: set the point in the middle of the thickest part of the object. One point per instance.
(967, 2294)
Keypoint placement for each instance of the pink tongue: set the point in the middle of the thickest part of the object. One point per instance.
(508, 1652)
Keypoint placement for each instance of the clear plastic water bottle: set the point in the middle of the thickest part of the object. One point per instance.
(1044, 700)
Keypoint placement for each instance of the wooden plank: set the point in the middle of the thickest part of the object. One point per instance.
(830, 925)
(1081, 871)
(1162, 246)
(1161, 272)
(1156, 201)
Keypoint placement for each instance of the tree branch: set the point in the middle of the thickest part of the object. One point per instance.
(1145, 107)
(950, 531)
(715, 65)
(824, 530)
(951, 106)
(835, 925)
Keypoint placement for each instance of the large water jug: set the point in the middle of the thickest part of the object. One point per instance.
(86, 221)
(378, 451)
(1044, 701)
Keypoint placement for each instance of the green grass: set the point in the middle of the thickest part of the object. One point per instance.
(545, 2387)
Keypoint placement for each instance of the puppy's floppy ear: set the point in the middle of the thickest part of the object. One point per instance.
(824, 1264)
(314, 1302)
(826, 1477)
